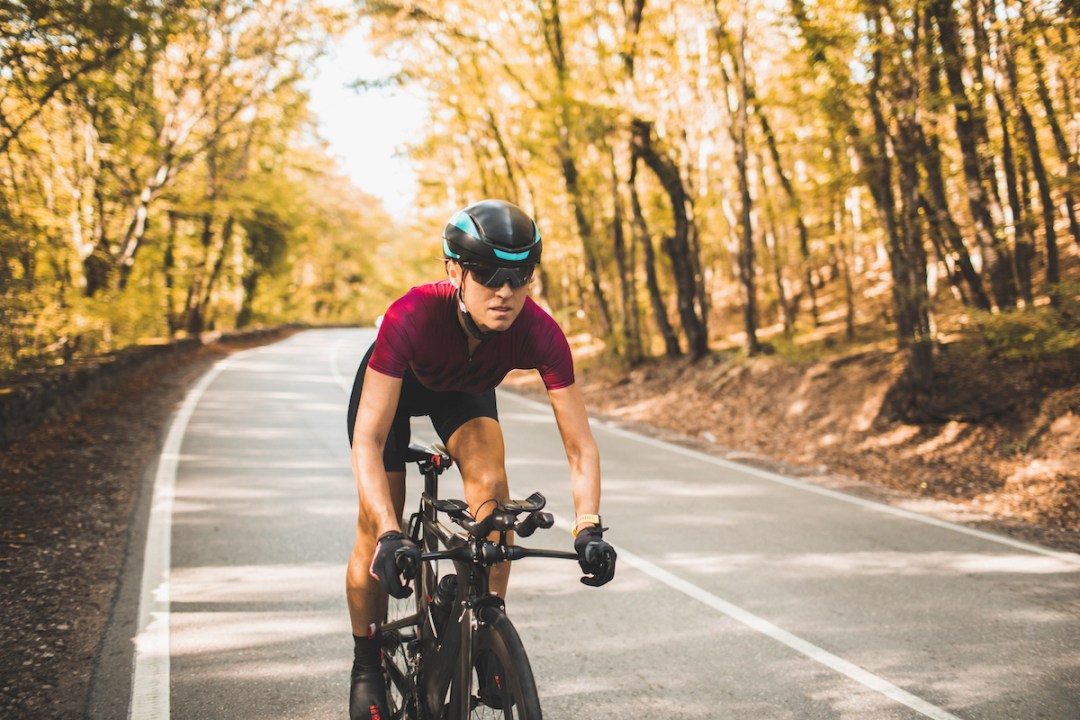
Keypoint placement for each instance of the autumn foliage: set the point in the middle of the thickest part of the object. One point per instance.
(707, 173)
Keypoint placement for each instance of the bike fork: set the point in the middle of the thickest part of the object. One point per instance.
(461, 695)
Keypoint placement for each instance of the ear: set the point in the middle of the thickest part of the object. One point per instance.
(454, 271)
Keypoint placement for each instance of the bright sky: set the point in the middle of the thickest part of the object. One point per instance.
(366, 129)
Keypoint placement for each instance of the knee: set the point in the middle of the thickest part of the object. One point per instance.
(488, 485)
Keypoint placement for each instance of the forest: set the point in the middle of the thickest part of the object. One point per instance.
(707, 174)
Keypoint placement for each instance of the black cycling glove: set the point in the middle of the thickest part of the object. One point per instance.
(595, 556)
(388, 569)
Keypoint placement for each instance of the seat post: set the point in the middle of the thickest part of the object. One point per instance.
(431, 483)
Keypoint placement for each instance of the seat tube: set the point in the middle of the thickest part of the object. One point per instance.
(431, 489)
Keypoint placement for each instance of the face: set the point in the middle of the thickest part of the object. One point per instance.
(490, 308)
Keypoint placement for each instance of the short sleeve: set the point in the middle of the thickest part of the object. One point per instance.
(393, 345)
(555, 362)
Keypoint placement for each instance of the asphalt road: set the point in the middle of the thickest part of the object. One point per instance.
(739, 593)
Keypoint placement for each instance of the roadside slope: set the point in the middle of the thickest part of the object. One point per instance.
(1002, 452)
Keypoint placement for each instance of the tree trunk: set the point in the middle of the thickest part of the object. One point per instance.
(747, 265)
(200, 314)
(1068, 159)
(772, 246)
(99, 266)
(652, 284)
(800, 221)
(169, 268)
(249, 283)
(840, 230)
(937, 239)
(1022, 241)
(676, 245)
(929, 145)
(980, 201)
(1034, 154)
(739, 129)
(907, 255)
(630, 328)
(553, 37)
(136, 230)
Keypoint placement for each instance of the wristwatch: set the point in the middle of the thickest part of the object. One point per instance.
(584, 520)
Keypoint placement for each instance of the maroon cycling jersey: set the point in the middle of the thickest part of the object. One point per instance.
(421, 332)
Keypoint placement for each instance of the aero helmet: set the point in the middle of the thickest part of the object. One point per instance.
(493, 233)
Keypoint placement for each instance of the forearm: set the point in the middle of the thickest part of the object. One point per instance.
(581, 450)
(377, 510)
(585, 479)
(378, 403)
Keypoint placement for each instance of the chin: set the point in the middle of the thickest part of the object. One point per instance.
(501, 324)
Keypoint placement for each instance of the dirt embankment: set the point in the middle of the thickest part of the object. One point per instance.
(1002, 452)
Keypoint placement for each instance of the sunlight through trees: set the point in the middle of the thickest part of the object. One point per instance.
(715, 173)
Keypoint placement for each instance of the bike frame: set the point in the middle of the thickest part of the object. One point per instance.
(447, 657)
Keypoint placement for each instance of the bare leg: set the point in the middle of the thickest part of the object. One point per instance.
(366, 598)
(477, 447)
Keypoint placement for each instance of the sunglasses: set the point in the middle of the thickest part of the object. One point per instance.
(493, 276)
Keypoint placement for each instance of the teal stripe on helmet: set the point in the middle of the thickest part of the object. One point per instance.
(446, 249)
(463, 222)
(503, 255)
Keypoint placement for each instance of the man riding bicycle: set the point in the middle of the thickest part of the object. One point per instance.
(441, 350)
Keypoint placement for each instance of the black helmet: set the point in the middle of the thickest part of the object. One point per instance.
(492, 232)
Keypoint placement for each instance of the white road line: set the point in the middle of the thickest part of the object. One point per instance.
(813, 652)
(760, 625)
(150, 679)
(1068, 557)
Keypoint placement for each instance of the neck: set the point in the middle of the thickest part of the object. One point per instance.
(475, 332)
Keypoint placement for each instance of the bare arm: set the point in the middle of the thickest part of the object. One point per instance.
(378, 403)
(581, 450)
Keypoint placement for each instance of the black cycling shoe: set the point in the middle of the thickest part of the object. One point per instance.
(367, 696)
(491, 691)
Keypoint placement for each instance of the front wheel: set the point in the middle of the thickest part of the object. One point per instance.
(402, 647)
(503, 683)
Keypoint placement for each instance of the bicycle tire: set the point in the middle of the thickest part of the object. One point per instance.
(515, 689)
(401, 653)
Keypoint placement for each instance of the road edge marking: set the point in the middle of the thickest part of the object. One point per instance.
(803, 647)
(1063, 555)
(150, 672)
(762, 626)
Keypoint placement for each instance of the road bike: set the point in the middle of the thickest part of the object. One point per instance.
(449, 651)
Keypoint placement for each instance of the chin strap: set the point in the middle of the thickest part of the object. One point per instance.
(466, 318)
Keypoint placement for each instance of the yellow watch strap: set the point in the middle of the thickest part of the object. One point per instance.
(584, 520)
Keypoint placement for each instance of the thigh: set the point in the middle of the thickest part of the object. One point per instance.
(478, 449)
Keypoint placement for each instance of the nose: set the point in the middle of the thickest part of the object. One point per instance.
(505, 290)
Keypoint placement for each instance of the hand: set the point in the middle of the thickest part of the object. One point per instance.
(595, 556)
(395, 562)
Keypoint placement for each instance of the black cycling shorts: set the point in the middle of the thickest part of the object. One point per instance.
(448, 411)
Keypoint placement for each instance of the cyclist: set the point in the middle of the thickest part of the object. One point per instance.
(441, 350)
